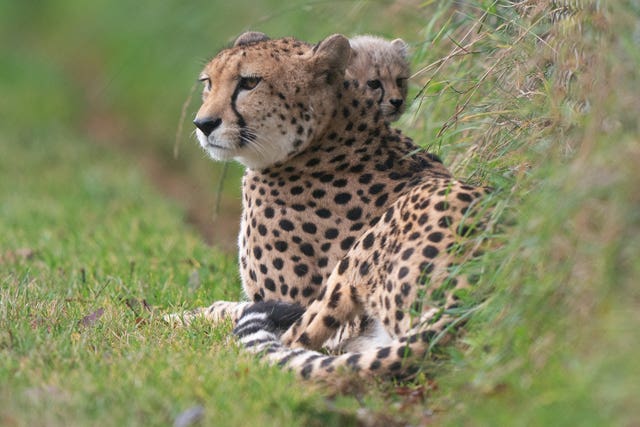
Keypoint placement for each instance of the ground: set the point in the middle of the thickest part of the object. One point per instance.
(84, 232)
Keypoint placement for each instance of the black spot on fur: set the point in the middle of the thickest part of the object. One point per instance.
(365, 179)
(330, 322)
(395, 366)
(270, 284)
(301, 269)
(364, 268)
(323, 213)
(304, 339)
(430, 252)
(427, 336)
(347, 243)
(368, 241)
(435, 237)
(354, 214)
(441, 206)
(407, 254)
(269, 212)
(334, 299)
(380, 201)
(286, 225)
(318, 193)
(389, 214)
(306, 371)
(383, 353)
(281, 245)
(307, 249)
(309, 227)
(344, 264)
(445, 222)
(331, 233)
(404, 352)
(342, 198)
(352, 361)
(464, 197)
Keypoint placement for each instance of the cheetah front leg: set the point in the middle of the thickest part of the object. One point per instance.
(215, 313)
(340, 303)
(323, 317)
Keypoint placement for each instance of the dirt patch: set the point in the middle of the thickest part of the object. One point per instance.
(219, 229)
(198, 199)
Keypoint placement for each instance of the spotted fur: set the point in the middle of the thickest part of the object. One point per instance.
(349, 233)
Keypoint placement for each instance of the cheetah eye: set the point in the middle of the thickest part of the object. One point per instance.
(401, 81)
(248, 83)
(207, 82)
(374, 84)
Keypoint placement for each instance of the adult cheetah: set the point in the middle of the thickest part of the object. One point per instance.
(346, 226)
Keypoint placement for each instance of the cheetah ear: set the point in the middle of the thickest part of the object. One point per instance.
(332, 54)
(250, 37)
(401, 46)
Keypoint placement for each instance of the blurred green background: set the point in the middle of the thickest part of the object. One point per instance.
(93, 201)
(117, 73)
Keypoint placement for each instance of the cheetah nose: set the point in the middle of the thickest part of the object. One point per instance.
(207, 124)
(396, 102)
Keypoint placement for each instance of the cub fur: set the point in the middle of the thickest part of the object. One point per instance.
(382, 66)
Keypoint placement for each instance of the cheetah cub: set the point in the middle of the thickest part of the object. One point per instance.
(382, 66)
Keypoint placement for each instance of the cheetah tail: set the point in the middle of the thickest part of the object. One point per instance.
(261, 325)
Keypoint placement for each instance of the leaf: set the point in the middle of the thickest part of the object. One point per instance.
(20, 254)
(91, 319)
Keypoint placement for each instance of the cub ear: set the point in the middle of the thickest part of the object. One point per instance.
(401, 46)
(332, 54)
(250, 37)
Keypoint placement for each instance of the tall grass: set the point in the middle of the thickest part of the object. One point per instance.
(539, 100)
(544, 110)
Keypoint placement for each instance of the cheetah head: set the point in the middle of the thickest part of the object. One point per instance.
(265, 100)
(383, 67)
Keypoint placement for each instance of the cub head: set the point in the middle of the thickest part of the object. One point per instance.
(265, 100)
(383, 67)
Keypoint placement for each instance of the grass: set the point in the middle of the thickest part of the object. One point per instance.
(552, 343)
(91, 257)
(91, 254)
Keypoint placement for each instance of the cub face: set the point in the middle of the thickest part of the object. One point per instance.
(382, 66)
(265, 100)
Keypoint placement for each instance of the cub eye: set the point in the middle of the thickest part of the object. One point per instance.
(401, 81)
(207, 83)
(248, 83)
(374, 84)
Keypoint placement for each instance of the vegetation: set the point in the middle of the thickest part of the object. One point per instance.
(536, 99)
